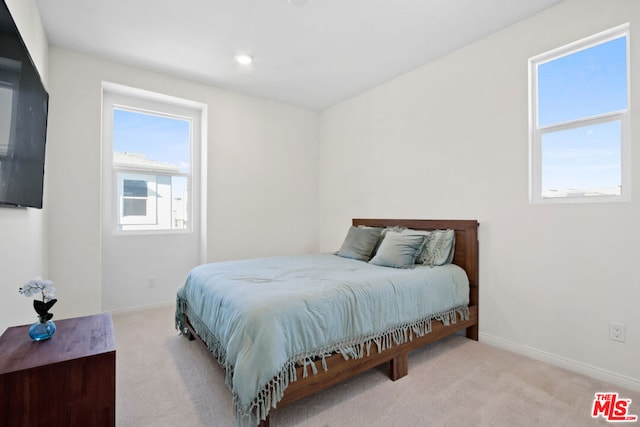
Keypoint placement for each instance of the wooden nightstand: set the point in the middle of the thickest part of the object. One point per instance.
(67, 380)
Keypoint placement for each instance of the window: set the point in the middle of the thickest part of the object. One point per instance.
(579, 139)
(135, 193)
(149, 151)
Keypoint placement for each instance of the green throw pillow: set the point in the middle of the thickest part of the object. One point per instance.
(359, 243)
(398, 250)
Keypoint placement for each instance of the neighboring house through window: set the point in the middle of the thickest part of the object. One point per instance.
(579, 115)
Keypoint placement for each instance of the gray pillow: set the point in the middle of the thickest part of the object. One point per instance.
(418, 233)
(398, 250)
(382, 234)
(359, 243)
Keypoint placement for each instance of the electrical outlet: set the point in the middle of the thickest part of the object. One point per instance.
(151, 282)
(616, 331)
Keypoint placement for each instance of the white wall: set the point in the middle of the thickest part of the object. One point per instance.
(261, 189)
(450, 140)
(22, 231)
(25, 14)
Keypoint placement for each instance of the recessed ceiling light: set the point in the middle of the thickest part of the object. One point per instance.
(297, 2)
(244, 59)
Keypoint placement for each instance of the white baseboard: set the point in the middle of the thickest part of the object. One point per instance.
(562, 362)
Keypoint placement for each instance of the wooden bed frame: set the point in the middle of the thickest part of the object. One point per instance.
(338, 369)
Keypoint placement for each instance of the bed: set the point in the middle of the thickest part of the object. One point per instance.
(287, 327)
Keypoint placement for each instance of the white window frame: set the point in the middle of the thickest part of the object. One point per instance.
(536, 133)
(125, 98)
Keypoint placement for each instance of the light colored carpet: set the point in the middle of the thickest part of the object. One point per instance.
(165, 380)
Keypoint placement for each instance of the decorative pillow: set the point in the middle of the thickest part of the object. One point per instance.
(360, 243)
(383, 233)
(398, 250)
(439, 249)
(410, 231)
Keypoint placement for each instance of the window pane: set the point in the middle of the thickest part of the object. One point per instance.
(134, 207)
(586, 83)
(151, 154)
(584, 161)
(134, 188)
(151, 140)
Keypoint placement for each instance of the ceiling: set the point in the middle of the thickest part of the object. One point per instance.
(308, 53)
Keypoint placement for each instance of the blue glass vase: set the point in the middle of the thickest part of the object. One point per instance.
(42, 331)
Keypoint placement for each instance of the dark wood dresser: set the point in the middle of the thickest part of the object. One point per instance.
(67, 380)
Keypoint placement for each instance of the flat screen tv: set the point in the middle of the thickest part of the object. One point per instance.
(23, 120)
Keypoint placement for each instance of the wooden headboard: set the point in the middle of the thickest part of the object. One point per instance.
(466, 250)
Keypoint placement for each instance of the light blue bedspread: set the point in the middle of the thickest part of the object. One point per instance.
(260, 317)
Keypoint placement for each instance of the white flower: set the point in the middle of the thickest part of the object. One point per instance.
(49, 293)
(34, 287)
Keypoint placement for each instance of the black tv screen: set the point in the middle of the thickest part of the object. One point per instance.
(23, 120)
